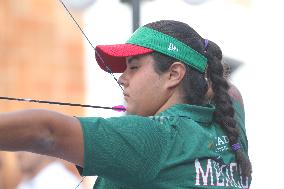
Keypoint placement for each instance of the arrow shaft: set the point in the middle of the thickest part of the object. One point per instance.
(61, 103)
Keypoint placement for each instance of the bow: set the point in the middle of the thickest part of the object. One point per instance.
(119, 108)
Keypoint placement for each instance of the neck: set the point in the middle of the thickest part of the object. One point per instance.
(175, 98)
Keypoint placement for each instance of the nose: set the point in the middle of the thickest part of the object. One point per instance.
(122, 80)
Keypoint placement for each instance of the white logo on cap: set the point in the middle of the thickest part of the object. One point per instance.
(172, 47)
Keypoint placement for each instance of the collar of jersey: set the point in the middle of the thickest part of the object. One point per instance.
(202, 114)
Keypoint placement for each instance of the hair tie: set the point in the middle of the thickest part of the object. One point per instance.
(205, 44)
(236, 147)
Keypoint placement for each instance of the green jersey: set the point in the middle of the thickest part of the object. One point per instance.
(182, 147)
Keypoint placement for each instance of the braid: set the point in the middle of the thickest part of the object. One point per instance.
(224, 114)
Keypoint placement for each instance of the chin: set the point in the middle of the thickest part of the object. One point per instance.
(128, 111)
(135, 111)
(131, 111)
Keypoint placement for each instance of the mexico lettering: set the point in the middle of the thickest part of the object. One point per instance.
(214, 174)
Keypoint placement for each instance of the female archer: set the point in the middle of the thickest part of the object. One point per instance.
(184, 126)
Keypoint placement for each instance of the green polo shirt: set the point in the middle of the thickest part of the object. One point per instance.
(179, 148)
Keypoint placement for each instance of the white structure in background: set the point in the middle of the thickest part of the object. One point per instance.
(195, 2)
(249, 34)
(78, 4)
(107, 22)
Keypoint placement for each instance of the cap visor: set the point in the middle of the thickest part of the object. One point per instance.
(113, 57)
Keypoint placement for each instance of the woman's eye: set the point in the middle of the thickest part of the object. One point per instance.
(133, 67)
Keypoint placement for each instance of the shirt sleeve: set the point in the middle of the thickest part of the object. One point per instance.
(128, 149)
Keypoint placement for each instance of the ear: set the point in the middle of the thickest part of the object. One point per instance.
(175, 74)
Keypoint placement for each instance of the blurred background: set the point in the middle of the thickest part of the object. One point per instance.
(43, 55)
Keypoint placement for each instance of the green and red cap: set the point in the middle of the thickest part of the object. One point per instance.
(143, 41)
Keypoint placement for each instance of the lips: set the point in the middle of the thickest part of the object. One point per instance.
(125, 94)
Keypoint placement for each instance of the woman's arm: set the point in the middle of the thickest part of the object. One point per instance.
(43, 132)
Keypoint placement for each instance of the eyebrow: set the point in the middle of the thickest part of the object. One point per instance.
(130, 59)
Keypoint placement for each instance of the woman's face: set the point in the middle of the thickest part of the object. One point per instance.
(144, 90)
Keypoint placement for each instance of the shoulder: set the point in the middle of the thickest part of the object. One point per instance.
(125, 148)
(123, 122)
(129, 127)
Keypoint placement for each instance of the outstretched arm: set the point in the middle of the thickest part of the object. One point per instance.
(43, 132)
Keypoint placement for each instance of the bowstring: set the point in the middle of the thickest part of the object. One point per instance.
(80, 28)
(80, 182)
(106, 66)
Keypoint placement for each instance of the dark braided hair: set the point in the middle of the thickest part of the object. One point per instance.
(194, 83)
(224, 114)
